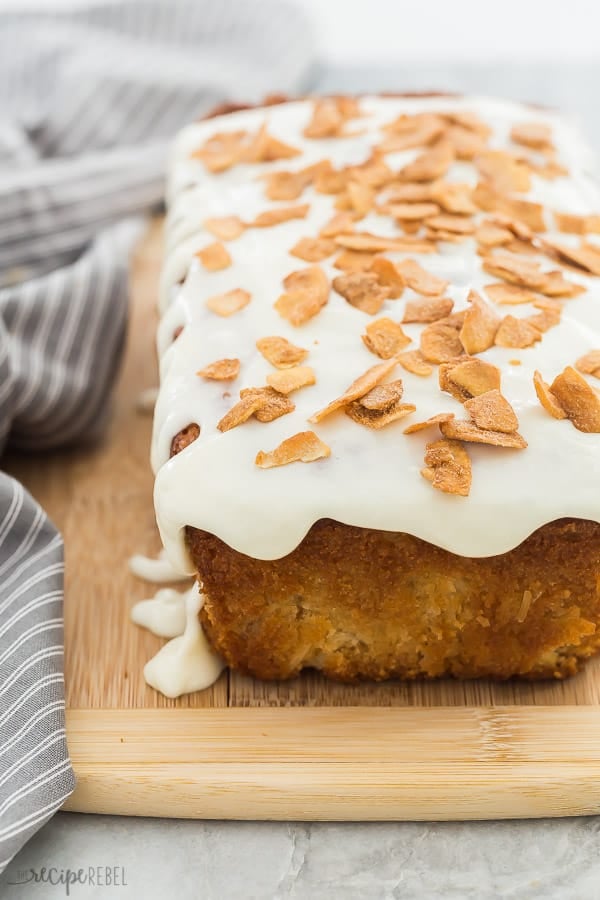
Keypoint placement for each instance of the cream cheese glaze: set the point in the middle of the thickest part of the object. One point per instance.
(372, 477)
(186, 663)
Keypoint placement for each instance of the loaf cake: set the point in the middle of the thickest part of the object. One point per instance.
(377, 436)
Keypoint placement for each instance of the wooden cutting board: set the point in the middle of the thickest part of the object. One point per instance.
(305, 749)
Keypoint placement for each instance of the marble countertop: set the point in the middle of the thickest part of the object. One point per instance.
(553, 859)
(157, 858)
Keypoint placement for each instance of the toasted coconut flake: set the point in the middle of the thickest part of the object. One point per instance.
(377, 243)
(298, 307)
(329, 117)
(408, 132)
(556, 285)
(553, 304)
(221, 370)
(589, 364)
(361, 386)
(374, 171)
(264, 403)
(373, 419)
(469, 121)
(547, 398)
(341, 223)
(358, 197)
(448, 467)
(331, 182)
(290, 185)
(440, 342)
(544, 320)
(385, 338)
(287, 380)
(362, 290)
(480, 325)
(466, 144)
(383, 396)
(449, 237)
(354, 261)
(388, 275)
(523, 248)
(586, 256)
(265, 147)
(229, 303)
(429, 423)
(226, 228)
(280, 352)
(303, 447)
(279, 215)
(461, 430)
(452, 224)
(488, 235)
(274, 403)
(516, 333)
(548, 170)
(411, 211)
(572, 224)
(414, 361)
(419, 280)
(535, 135)
(313, 249)
(432, 164)
(466, 378)
(491, 411)
(527, 273)
(408, 192)
(453, 197)
(214, 257)
(326, 121)
(286, 185)
(490, 199)
(579, 400)
(307, 293)
(221, 151)
(506, 171)
(427, 309)
(509, 294)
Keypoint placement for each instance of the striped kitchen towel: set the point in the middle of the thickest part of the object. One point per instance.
(88, 101)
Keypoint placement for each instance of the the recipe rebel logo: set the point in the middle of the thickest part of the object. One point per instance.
(93, 876)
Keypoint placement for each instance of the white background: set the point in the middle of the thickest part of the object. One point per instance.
(388, 32)
(395, 31)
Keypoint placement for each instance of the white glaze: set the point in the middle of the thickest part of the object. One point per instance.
(187, 663)
(163, 614)
(158, 571)
(372, 477)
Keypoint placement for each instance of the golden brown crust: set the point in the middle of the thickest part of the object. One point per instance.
(358, 603)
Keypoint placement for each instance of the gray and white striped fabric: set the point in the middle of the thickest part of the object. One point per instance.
(88, 101)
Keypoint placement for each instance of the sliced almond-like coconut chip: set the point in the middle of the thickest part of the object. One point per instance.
(287, 380)
(448, 467)
(226, 228)
(361, 386)
(362, 290)
(480, 325)
(280, 352)
(491, 411)
(214, 257)
(221, 370)
(229, 303)
(385, 338)
(419, 280)
(304, 447)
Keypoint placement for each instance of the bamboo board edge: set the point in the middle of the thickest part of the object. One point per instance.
(337, 764)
